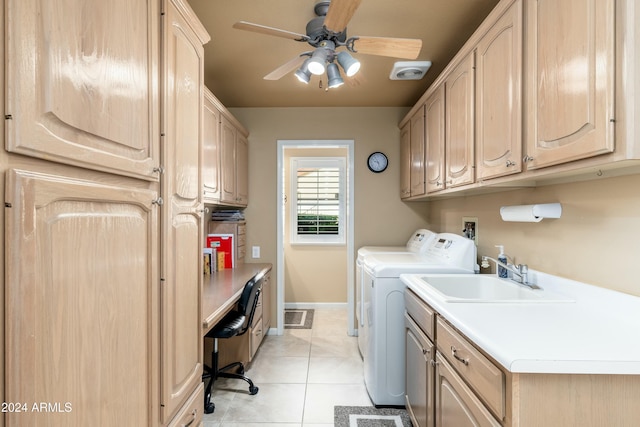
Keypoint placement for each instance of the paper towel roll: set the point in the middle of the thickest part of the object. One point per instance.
(531, 213)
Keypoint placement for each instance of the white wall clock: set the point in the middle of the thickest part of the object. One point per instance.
(377, 162)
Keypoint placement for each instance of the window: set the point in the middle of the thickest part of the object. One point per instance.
(318, 208)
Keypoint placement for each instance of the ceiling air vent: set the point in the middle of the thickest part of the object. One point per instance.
(409, 70)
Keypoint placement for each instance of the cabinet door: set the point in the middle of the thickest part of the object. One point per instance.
(182, 225)
(419, 375)
(242, 170)
(459, 155)
(570, 59)
(498, 96)
(210, 149)
(228, 166)
(435, 141)
(405, 161)
(81, 301)
(417, 154)
(83, 79)
(456, 405)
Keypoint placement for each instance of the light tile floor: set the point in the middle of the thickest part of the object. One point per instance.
(301, 375)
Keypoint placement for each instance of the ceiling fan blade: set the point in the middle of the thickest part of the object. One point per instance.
(263, 29)
(285, 68)
(387, 46)
(339, 14)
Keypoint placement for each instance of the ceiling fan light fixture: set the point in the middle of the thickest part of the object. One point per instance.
(349, 64)
(303, 74)
(333, 76)
(316, 64)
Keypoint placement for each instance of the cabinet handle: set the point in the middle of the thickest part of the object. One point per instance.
(454, 352)
(425, 351)
(439, 184)
(527, 159)
(194, 414)
(510, 163)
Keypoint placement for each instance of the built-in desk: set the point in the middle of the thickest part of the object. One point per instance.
(222, 290)
(220, 293)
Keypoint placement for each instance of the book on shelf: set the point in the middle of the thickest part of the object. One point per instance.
(224, 245)
(208, 261)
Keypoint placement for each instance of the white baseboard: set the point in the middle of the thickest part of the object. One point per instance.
(272, 331)
(315, 305)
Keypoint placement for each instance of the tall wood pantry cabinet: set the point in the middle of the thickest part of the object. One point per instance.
(101, 192)
(182, 210)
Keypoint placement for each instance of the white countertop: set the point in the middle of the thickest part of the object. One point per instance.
(597, 333)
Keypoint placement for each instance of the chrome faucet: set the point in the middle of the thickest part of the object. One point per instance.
(520, 270)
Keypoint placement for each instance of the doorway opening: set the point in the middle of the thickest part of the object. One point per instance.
(328, 232)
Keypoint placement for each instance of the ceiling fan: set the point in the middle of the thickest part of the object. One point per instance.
(327, 33)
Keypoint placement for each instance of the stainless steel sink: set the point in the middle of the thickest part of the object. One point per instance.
(485, 288)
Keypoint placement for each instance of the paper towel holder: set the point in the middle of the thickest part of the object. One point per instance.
(531, 213)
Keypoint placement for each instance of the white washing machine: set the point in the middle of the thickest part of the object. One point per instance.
(383, 298)
(417, 243)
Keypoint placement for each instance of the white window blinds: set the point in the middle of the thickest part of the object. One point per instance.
(318, 211)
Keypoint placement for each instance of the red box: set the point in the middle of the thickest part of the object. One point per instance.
(223, 243)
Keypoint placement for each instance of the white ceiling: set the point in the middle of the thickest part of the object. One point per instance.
(236, 61)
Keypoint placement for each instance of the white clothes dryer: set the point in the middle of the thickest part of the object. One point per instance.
(417, 243)
(383, 301)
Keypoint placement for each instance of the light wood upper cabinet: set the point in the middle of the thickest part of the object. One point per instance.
(417, 153)
(499, 96)
(228, 152)
(242, 169)
(435, 141)
(405, 161)
(571, 89)
(211, 148)
(235, 164)
(412, 158)
(83, 83)
(82, 297)
(459, 108)
(182, 223)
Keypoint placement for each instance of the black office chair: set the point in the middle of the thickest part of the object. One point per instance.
(237, 322)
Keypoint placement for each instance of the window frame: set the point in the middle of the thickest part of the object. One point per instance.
(338, 239)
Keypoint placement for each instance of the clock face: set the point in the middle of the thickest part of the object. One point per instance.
(377, 162)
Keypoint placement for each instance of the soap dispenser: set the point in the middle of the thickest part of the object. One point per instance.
(502, 272)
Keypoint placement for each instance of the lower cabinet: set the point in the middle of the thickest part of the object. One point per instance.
(449, 383)
(419, 379)
(468, 388)
(456, 405)
(191, 412)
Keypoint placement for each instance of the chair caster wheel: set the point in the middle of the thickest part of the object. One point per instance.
(253, 390)
(208, 409)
